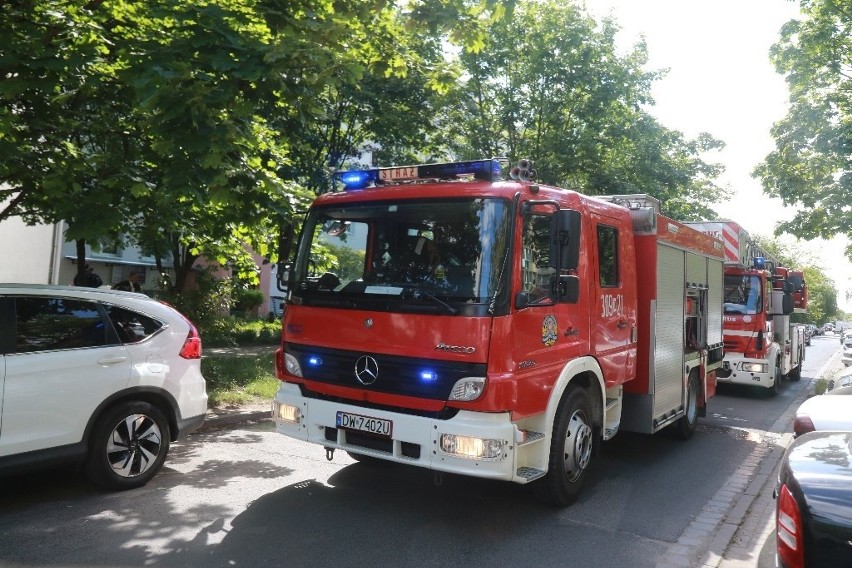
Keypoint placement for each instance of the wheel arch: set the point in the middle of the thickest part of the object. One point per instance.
(160, 398)
(585, 373)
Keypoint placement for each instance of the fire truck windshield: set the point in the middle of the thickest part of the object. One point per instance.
(433, 256)
(743, 294)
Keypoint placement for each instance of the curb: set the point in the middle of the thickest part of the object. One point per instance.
(219, 418)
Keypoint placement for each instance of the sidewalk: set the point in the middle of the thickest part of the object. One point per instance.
(748, 533)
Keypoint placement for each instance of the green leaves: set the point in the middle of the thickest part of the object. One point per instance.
(810, 166)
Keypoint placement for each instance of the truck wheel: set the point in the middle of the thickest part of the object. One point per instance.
(684, 428)
(773, 390)
(128, 446)
(796, 373)
(570, 450)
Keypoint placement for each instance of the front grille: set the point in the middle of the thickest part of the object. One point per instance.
(397, 375)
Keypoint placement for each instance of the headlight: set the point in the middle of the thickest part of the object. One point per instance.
(292, 365)
(288, 413)
(471, 448)
(467, 389)
(754, 367)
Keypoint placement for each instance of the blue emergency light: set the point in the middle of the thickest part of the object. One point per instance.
(759, 263)
(359, 179)
(428, 376)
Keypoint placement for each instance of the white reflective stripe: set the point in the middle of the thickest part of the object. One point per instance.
(739, 333)
(732, 242)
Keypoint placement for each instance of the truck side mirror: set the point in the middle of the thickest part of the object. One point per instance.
(285, 241)
(565, 239)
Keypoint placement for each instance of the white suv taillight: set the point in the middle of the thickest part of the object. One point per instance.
(192, 346)
(788, 524)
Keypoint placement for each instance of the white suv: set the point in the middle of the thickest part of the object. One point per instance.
(103, 378)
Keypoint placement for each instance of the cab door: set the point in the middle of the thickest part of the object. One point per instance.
(614, 291)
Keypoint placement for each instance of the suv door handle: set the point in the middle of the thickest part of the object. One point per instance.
(111, 360)
(622, 324)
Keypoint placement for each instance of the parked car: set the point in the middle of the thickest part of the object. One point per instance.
(829, 411)
(102, 378)
(841, 380)
(813, 508)
(846, 358)
(846, 338)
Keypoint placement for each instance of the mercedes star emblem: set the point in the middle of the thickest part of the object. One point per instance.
(366, 370)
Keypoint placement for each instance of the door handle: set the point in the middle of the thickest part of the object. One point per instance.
(622, 324)
(111, 360)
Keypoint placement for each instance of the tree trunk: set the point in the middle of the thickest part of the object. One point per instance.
(81, 261)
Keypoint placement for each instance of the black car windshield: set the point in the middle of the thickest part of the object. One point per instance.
(743, 295)
(427, 255)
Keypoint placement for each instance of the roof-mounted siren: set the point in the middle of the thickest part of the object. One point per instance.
(523, 171)
(362, 179)
(796, 279)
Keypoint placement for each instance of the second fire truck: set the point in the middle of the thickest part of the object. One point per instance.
(762, 345)
(443, 317)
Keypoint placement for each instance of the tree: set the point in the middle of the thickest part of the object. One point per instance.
(549, 85)
(810, 166)
(151, 119)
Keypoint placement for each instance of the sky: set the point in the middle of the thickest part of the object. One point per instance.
(720, 80)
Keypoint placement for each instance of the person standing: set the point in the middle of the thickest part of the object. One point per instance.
(89, 278)
(131, 284)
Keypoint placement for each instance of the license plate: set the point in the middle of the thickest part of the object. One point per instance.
(369, 424)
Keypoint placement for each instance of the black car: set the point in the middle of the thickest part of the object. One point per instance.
(813, 511)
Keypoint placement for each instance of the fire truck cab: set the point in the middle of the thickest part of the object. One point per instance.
(440, 316)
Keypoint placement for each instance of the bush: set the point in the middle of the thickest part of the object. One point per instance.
(247, 299)
(239, 379)
(233, 331)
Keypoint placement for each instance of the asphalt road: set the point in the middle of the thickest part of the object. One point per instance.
(247, 496)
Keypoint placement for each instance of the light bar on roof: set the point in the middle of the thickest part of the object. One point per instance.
(360, 179)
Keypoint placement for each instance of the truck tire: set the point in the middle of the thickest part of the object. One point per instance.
(570, 450)
(684, 428)
(128, 445)
(773, 390)
(796, 373)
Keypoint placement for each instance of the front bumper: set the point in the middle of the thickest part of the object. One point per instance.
(734, 374)
(414, 440)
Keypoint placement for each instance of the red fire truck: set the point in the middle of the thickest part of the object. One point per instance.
(761, 343)
(443, 317)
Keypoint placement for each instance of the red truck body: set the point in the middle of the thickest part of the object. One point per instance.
(499, 329)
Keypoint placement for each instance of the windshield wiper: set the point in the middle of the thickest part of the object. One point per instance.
(416, 293)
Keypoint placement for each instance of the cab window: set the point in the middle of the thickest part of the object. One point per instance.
(537, 273)
(608, 256)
